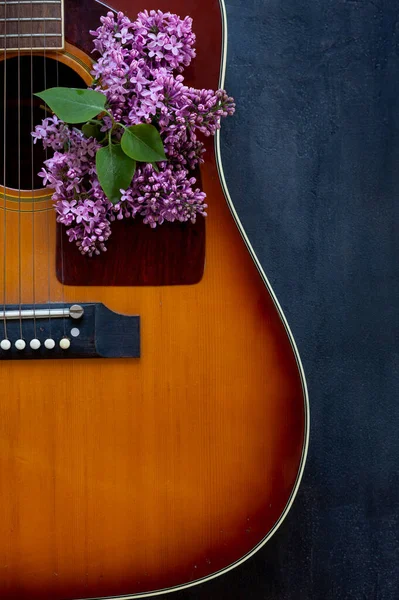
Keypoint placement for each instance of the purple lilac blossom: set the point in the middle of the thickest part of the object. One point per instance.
(139, 71)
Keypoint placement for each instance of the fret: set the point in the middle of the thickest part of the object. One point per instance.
(20, 19)
(31, 24)
(28, 35)
(17, 3)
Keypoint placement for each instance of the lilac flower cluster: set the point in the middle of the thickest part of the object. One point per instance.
(139, 71)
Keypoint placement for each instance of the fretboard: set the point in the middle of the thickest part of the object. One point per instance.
(31, 24)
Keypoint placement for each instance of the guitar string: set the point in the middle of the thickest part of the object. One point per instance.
(62, 247)
(19, 177)
(32, 180)
(4, 172)
(47, 210)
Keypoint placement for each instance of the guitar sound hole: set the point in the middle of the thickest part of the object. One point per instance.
(47, 73)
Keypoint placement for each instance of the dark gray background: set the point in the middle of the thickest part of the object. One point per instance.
(312, 164)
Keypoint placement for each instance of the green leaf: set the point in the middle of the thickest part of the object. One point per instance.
(115, 171)
(73, 105)
(155, 167)
(91, 130)
(143, 143)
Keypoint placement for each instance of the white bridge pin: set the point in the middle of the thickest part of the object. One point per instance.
(65, 343)
(20, 344)
(5, 344)
(49, 344)
(35, 344)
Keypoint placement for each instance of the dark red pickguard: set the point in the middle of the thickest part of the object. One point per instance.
(173, 253)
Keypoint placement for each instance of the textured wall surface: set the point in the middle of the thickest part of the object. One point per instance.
(312, 164)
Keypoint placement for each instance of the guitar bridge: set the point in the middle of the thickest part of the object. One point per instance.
(89, 330)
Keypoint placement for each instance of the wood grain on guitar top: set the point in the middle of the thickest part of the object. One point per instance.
(125, 476)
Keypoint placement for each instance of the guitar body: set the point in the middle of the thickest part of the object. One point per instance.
(124, 476)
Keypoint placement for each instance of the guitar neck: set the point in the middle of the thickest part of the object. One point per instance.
(31, 24)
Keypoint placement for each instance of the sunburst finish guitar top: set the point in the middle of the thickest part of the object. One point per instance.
(179, 455)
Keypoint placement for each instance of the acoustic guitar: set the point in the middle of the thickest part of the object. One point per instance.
(159, 438)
